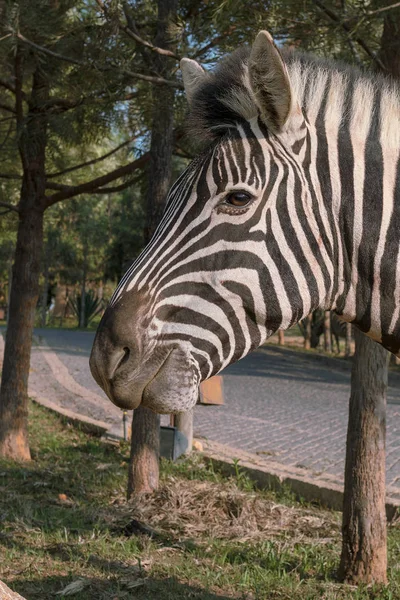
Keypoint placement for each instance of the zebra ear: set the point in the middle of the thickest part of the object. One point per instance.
(193, 75)
(270, 82)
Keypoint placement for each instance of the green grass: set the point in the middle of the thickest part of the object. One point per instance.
(64, 514)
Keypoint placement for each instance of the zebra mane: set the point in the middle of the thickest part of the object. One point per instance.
(225, 99)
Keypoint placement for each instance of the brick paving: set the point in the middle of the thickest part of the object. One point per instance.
(281, 404)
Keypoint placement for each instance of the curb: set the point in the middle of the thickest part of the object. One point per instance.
(325, 489)
(87, 424)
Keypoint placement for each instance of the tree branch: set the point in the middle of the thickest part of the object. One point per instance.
(7, 108)
(208, 47)
(136, 37)
(10, 176)
(98, 182)
(11, 88)
(74, 61)
(9, 207)
(60, 105)
(334, 17)
(132, 26)
(52, 185)
(118, 188)
(101, 190)
(3, 143)
(157, 80)
(383, 9)
(5, 119)
(7, 85)
(149, 78)
(90, 162)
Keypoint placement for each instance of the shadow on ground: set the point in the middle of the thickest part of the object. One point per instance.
(102, 589)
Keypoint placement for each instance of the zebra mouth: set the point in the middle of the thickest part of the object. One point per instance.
(165, 386)
(174, 388)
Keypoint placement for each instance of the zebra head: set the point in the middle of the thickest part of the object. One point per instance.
(209, 286)
(249, 241)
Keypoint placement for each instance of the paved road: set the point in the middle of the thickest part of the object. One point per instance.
(279, 403)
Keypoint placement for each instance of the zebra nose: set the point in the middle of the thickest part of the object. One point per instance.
(111, 365)
(106, 358)
(118, 348)
(115, 346)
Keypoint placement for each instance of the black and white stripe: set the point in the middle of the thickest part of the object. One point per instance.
(322, 228)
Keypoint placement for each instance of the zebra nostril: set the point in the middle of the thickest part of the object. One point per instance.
(125, 356)
(120, 359)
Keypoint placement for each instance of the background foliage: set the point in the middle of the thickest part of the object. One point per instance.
(97, 58)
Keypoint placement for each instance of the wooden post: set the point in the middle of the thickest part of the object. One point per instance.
(184, 424)
(281, 337)
(364, 553)
(394, 360)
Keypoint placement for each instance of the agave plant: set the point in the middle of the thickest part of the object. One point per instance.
(93, 306)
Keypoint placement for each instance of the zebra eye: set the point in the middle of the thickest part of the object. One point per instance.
(238, 199)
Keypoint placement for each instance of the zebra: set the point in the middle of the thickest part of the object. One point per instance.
(291, 204)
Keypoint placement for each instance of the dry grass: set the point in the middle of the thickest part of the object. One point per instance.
(186, 508)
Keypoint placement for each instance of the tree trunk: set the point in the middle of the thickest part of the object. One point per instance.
(32, 138)
(17, 350)
(161, 147)
(281, 337)
(10, 270)
(364, 556)
(349, 347)
(82, 311)
(45, 291)
(307, 332)
(327, 331)
(390, 42)
(145, 451)
(144, 461)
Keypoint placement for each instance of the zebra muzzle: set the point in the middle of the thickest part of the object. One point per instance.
(163, 381)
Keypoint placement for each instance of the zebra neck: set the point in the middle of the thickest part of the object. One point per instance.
(356, 122)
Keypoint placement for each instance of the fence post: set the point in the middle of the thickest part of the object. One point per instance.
(184, 424)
